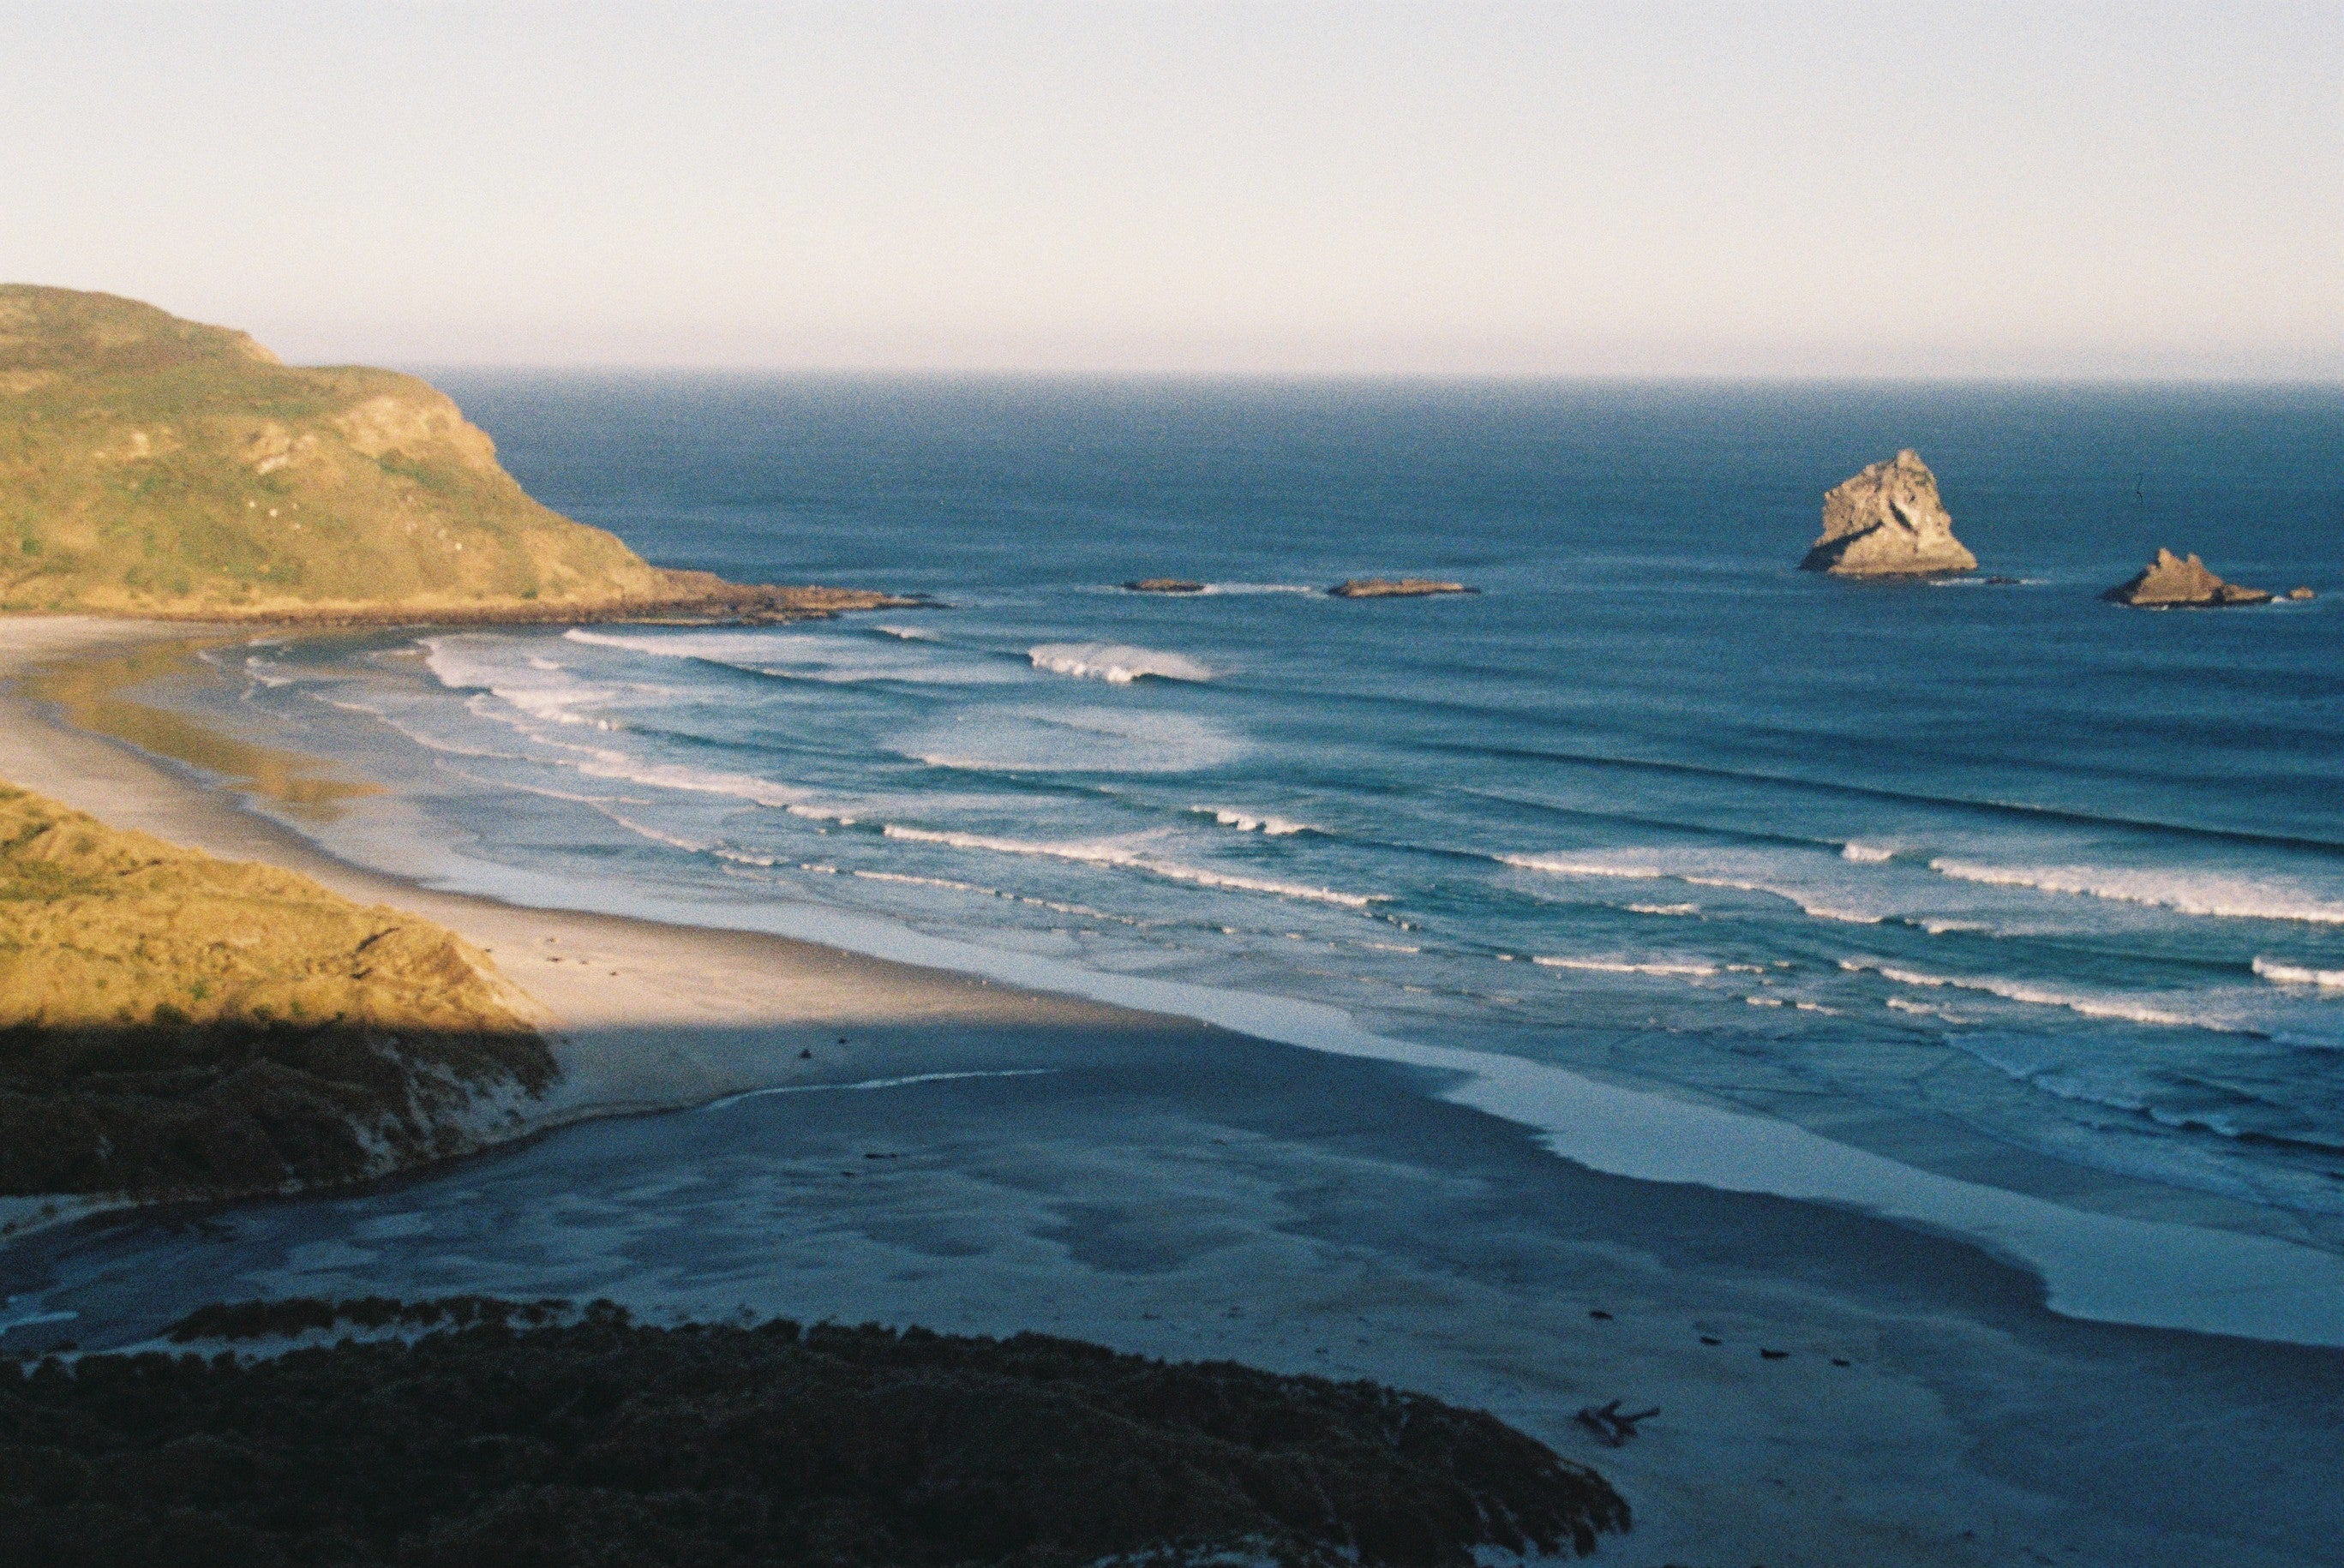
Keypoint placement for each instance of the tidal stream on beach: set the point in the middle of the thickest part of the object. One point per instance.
(1982, 905)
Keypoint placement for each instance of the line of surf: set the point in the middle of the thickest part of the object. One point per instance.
(2001, 808)
(2098, 1267)
(1098, 854)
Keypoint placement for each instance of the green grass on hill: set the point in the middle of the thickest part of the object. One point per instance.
(152, 464)
(176, 1025)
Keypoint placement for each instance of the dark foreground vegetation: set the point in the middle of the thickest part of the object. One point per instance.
(598, 1441)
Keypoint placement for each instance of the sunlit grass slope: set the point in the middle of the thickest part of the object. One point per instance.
(153, 466)
(170, 1022)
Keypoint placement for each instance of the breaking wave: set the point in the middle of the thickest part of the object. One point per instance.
(2099, 1007)
(1810, 905)
(2297, 974)
(1124, 858)
(1626, 967)
(1246, 822)
(1114, 662)
(2222, 897)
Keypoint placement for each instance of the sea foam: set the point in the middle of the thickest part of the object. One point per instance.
(1095, 853)
(1809, 902)
(1629, 967)
(2214, 896)
(2297, 974)
(2100, 1007)
(1114, 663)
(1248, 823)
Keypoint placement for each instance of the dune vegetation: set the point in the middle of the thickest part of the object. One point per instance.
(153, 465)
(593, 1441)
(173, 1024)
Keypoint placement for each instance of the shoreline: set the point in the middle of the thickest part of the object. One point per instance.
(1201, 1189)
(724, 604)
(664, 1038)
(645, 1016)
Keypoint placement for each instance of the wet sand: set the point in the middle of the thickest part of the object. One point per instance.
(1165, 1186)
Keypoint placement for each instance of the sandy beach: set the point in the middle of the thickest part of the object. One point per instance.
(647, 1015)
(973, 1156)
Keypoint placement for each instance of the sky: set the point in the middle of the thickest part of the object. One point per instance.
(2144, 190)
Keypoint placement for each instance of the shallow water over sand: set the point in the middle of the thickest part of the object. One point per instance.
(2001, 861)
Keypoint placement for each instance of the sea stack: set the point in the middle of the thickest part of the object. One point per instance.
(2179, 582)
(1888, 522)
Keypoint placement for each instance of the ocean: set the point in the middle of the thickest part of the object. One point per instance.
(1943, 870)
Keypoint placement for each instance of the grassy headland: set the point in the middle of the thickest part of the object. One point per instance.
(599, 1442)
(151, 465)
(176, 1025)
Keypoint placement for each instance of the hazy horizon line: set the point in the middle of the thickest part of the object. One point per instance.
(426, 368)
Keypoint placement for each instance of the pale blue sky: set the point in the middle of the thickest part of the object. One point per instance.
(1930, 190)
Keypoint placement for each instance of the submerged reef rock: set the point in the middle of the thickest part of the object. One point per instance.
(1888, 521)
(2182, 582)
(1396, 588)
(151, 465)
(551, 1436)
(1164, 585)
(175, 1026)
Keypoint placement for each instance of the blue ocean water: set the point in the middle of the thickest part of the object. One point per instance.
(1992, 857)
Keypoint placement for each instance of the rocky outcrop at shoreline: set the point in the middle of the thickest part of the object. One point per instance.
(1888, 521)
(1163, 585)
(2182, 582)
(1396, 588)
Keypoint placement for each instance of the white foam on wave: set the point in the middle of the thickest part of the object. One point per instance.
(268, 672)
(1116, 663)
(600, 763)
(1094, 852)
(1677, 909)
(534, 687)
(2298, 974)
(1307, 588)
(2188, 893)
(1680, 970)
(1924, 1010)
(906, 633)
(2099, 1007)
(1809, 903)
(1089, 739)
(1246, 822)
(833, 658)
(1866, 854)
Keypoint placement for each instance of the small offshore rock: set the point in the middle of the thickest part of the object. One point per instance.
(1163, 585)
(1395, 588)
(2299, 593)
(2179, 582)
(1888, 521)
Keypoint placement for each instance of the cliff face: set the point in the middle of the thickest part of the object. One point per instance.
(1888, 521)
(2172, 581)
(153, 466)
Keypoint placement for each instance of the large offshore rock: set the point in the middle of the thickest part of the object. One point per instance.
(1888, 521)
(2178, 582)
